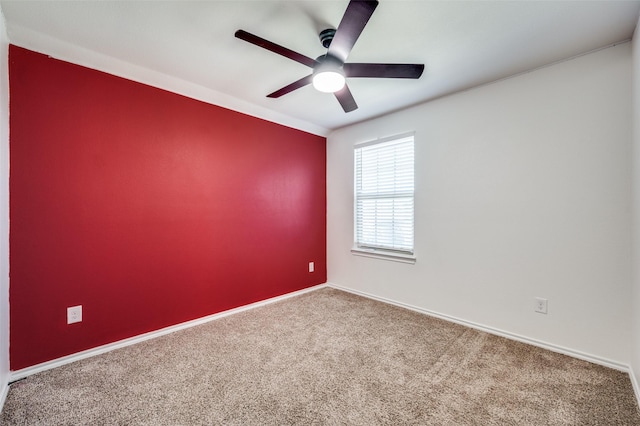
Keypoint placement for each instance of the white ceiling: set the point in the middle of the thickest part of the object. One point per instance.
(189, 47)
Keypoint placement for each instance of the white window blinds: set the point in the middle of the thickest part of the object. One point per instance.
(384, 193)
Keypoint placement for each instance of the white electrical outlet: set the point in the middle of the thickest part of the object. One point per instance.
(541, 305)
(311, 267)
(74, 314)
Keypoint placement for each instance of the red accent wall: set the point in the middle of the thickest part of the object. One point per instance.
(148, 208)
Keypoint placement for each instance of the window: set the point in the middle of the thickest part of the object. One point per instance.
(384, 194)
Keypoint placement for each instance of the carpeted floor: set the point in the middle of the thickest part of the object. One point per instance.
(325, 357)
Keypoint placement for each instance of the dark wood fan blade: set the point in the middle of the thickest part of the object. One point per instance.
(275, 48)
(291, 87)
(346, 100)
(353, 22)
(384, 70)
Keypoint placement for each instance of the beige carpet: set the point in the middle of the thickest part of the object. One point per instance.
(326, 357)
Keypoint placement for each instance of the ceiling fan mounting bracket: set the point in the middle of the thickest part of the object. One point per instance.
(326, 36)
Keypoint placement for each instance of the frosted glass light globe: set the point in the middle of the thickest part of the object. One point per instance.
(329, 81)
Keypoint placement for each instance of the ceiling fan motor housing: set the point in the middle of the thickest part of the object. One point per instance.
(326, 36)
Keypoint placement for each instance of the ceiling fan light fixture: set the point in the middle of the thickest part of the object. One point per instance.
(331, 69)
(329, 81)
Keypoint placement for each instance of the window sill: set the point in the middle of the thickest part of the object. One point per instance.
(384, 255)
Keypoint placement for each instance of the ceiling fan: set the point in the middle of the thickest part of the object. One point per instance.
(331, 69)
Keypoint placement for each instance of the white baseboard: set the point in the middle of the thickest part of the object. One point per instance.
(554, 348)
(3, 395)
(25, 372)
(635, 384)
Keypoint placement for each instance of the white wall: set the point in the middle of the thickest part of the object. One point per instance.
(4, 210)
(635, 361)
(523, 189)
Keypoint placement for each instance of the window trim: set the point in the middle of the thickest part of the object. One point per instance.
(381, 253)
(384, 255)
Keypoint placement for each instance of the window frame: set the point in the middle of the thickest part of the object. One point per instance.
(376, 252)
